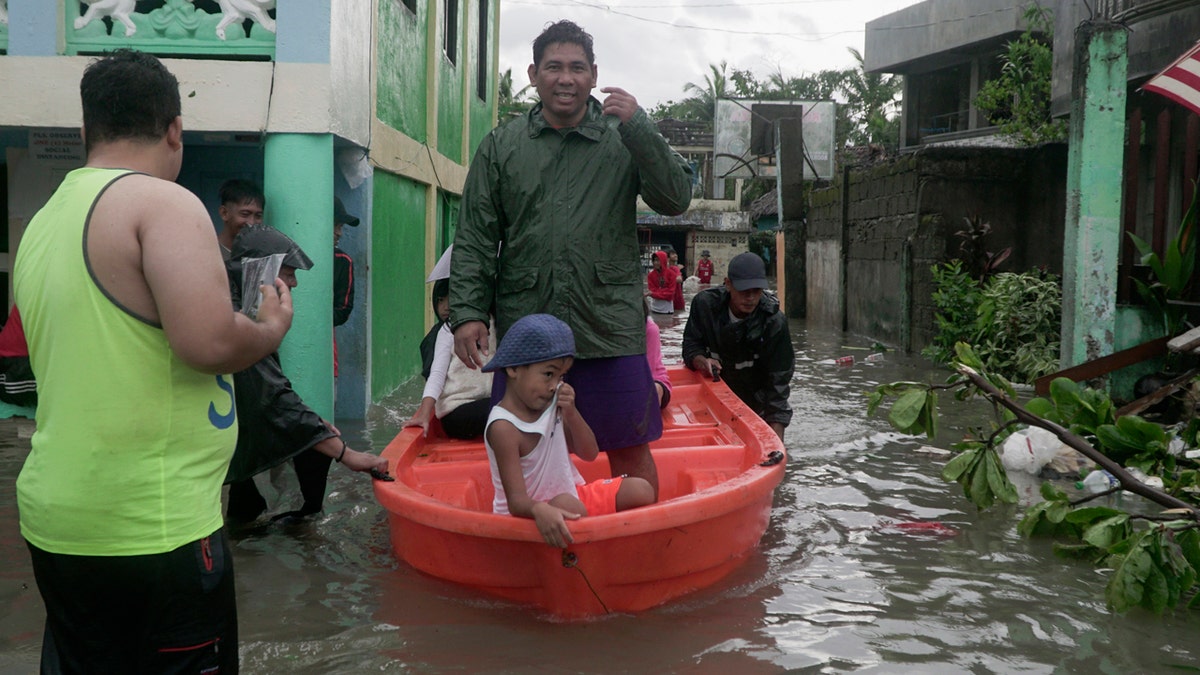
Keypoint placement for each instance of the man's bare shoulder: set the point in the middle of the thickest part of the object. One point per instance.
(153, 199)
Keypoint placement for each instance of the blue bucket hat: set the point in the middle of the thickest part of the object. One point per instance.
(532, 339)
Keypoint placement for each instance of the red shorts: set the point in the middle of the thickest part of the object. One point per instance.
(599, 497)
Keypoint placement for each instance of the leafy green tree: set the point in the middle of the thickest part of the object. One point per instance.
(873, 99)
(511, 103)
(1018, 101)
(702, 104)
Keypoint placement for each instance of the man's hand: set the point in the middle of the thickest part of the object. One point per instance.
(552, 523)
(619, 103)
(706, 366)
(275, 310)
(471, 343)
(364, 461)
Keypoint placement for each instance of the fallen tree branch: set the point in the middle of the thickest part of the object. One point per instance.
(1128, 482)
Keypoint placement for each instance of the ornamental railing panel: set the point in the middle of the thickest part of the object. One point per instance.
(237, 28)
(3, 25)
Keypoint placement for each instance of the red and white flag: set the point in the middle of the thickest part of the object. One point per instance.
(1180, 81)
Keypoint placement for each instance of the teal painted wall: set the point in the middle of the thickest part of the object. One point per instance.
(298, 183)
(1092, 233)
(398, 290)
(400, 68)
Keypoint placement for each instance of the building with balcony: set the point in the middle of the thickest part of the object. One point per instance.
(946, 50)
(380, 103)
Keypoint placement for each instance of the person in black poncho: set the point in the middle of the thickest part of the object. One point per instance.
(274, 424)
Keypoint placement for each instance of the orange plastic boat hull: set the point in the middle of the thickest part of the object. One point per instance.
(715, 504)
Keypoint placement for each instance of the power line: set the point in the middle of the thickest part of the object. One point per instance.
(803, 37)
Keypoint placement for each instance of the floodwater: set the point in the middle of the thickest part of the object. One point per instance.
(839, 583)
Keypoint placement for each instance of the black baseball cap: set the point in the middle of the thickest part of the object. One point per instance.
(341, 216)
(747, 271)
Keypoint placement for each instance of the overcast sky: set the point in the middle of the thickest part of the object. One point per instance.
(651, 48)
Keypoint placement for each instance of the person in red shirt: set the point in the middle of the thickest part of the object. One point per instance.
(704, 268)
(673, 261)
(661, 283)
(17, 385)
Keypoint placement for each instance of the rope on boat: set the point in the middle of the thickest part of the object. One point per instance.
(569, 559)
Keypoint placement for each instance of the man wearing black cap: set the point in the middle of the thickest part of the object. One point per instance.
(736, 332)
(343, 266)
(274, 423)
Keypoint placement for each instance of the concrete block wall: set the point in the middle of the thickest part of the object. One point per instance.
(876, 232)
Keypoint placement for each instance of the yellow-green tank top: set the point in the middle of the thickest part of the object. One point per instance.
(131, 445)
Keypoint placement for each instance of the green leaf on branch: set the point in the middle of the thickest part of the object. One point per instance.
(1131, 436)
(1075, 551)
(967, 356)
(1049, 518)
(1153, 572)
(959, 464)
(998, 481)
(1104, 533)
(906, 412)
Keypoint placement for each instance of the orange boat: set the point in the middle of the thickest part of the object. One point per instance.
(718, 465)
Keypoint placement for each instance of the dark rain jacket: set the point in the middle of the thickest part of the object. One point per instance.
(343, 286)
(755, 353)
(563, 204)
(274, 424)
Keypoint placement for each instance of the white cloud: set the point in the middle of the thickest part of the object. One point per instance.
(644, 47)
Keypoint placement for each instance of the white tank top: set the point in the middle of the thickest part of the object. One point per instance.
(548, 468)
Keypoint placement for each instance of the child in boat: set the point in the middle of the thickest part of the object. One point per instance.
(535, 426)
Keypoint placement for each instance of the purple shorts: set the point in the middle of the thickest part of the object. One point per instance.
(616, 397)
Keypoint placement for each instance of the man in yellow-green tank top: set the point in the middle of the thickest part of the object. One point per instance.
(131, 335)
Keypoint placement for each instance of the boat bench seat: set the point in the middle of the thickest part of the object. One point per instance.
(684, 470)
(462, 493)
(685, 414)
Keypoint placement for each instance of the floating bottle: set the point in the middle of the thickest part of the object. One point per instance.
(1097, 480)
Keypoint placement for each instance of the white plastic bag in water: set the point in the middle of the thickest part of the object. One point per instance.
(1029, 450)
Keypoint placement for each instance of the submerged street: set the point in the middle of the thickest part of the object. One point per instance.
(870, 564)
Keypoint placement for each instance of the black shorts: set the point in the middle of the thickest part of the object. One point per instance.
(171, 612)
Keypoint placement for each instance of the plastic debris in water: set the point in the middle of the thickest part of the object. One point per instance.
(930, 528)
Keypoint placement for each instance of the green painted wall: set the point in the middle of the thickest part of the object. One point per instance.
(400, 69)
(448, 208)
(450, 83)
(480, 110)
(398, 291)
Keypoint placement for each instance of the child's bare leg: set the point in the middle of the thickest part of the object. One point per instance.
(569, 503)
(634, 492)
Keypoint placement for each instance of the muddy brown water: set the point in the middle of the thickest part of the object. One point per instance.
(835, 586)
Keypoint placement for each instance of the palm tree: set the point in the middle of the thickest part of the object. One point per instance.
(511, 104)
(702, 104)
(873, 99)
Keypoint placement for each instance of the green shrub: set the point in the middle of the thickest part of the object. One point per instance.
(1019, 324)
(956, 296)
(1012, 320)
